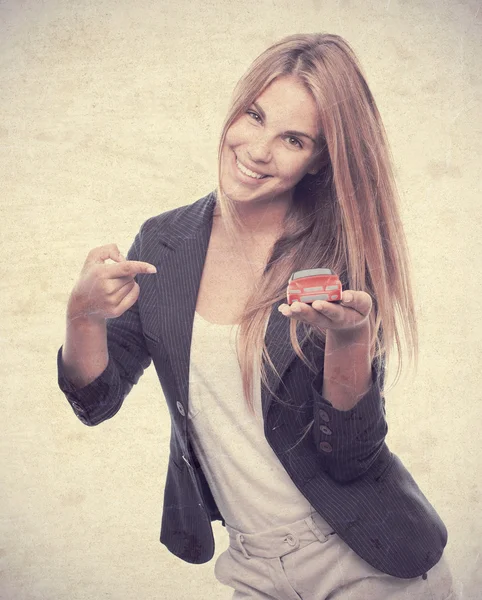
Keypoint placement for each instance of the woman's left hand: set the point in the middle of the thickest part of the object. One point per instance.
(345, 316)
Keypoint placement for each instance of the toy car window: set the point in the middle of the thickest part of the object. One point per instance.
(310, 272)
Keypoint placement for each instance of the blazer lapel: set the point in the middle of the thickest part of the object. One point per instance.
(179, 269)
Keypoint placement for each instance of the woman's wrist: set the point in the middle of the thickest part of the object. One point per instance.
(79, 316)
(353, 335)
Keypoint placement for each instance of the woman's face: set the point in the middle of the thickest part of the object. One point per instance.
(272, 146)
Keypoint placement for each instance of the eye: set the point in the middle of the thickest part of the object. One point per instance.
(254, 115)
(297, 141)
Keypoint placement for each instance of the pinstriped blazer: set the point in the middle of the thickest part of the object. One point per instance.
(343, 467)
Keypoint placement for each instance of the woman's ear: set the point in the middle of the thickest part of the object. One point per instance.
(314, 165)
(320, 160)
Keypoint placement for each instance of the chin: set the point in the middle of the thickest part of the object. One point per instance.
(237, 195)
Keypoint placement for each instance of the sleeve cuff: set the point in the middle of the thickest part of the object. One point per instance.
(87, 402)
(349, 441)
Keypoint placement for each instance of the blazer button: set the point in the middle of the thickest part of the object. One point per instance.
(326, 447)
(77, 407)
(186, 461)
(326, 430)
(180, 408)
(324, 416)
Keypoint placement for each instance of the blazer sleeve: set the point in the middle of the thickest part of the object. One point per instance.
(349, 442)
(128, 358)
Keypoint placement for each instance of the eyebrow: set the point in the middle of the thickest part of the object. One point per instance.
(291, 132)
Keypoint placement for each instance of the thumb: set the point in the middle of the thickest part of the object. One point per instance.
(118, 257)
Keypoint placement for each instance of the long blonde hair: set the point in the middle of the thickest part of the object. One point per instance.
(345, 217)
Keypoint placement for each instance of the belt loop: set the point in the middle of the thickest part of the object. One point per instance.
(240, 540)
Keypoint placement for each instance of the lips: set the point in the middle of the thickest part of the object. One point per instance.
(246, 172)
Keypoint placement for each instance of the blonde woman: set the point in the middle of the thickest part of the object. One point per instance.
(277, 411)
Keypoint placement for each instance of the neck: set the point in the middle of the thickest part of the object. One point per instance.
(260, 219)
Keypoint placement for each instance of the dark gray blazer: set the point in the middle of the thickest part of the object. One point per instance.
(343, 466)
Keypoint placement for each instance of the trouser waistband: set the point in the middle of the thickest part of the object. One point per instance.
(280, 540)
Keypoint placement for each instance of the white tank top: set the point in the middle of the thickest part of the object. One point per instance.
(251, 488)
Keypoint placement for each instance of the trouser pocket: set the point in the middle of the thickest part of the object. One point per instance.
(222, 567)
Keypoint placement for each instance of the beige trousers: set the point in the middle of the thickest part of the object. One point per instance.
(300, 562)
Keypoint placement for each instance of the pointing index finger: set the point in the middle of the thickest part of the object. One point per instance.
(131, 267)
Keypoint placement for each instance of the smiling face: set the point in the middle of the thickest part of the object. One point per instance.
(271, 147)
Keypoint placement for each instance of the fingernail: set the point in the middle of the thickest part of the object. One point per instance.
(348, 298)
(151, 270)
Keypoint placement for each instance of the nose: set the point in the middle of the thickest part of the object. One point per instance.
(259, 150)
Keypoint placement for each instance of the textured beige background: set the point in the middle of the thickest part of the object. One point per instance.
(110, 114)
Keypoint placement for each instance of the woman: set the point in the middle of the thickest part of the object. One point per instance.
(278, 419)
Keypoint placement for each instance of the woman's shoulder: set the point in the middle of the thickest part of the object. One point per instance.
(189, 211)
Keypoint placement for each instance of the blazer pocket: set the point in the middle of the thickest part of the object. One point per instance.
(381, 475)
(175, 463)
(152, 337)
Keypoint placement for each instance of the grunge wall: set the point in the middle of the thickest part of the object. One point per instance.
(110, 113)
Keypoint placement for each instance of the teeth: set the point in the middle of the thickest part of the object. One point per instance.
(246, 171)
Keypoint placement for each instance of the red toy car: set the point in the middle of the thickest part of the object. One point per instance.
(313, 284)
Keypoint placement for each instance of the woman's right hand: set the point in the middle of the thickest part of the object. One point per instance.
(105, 290)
